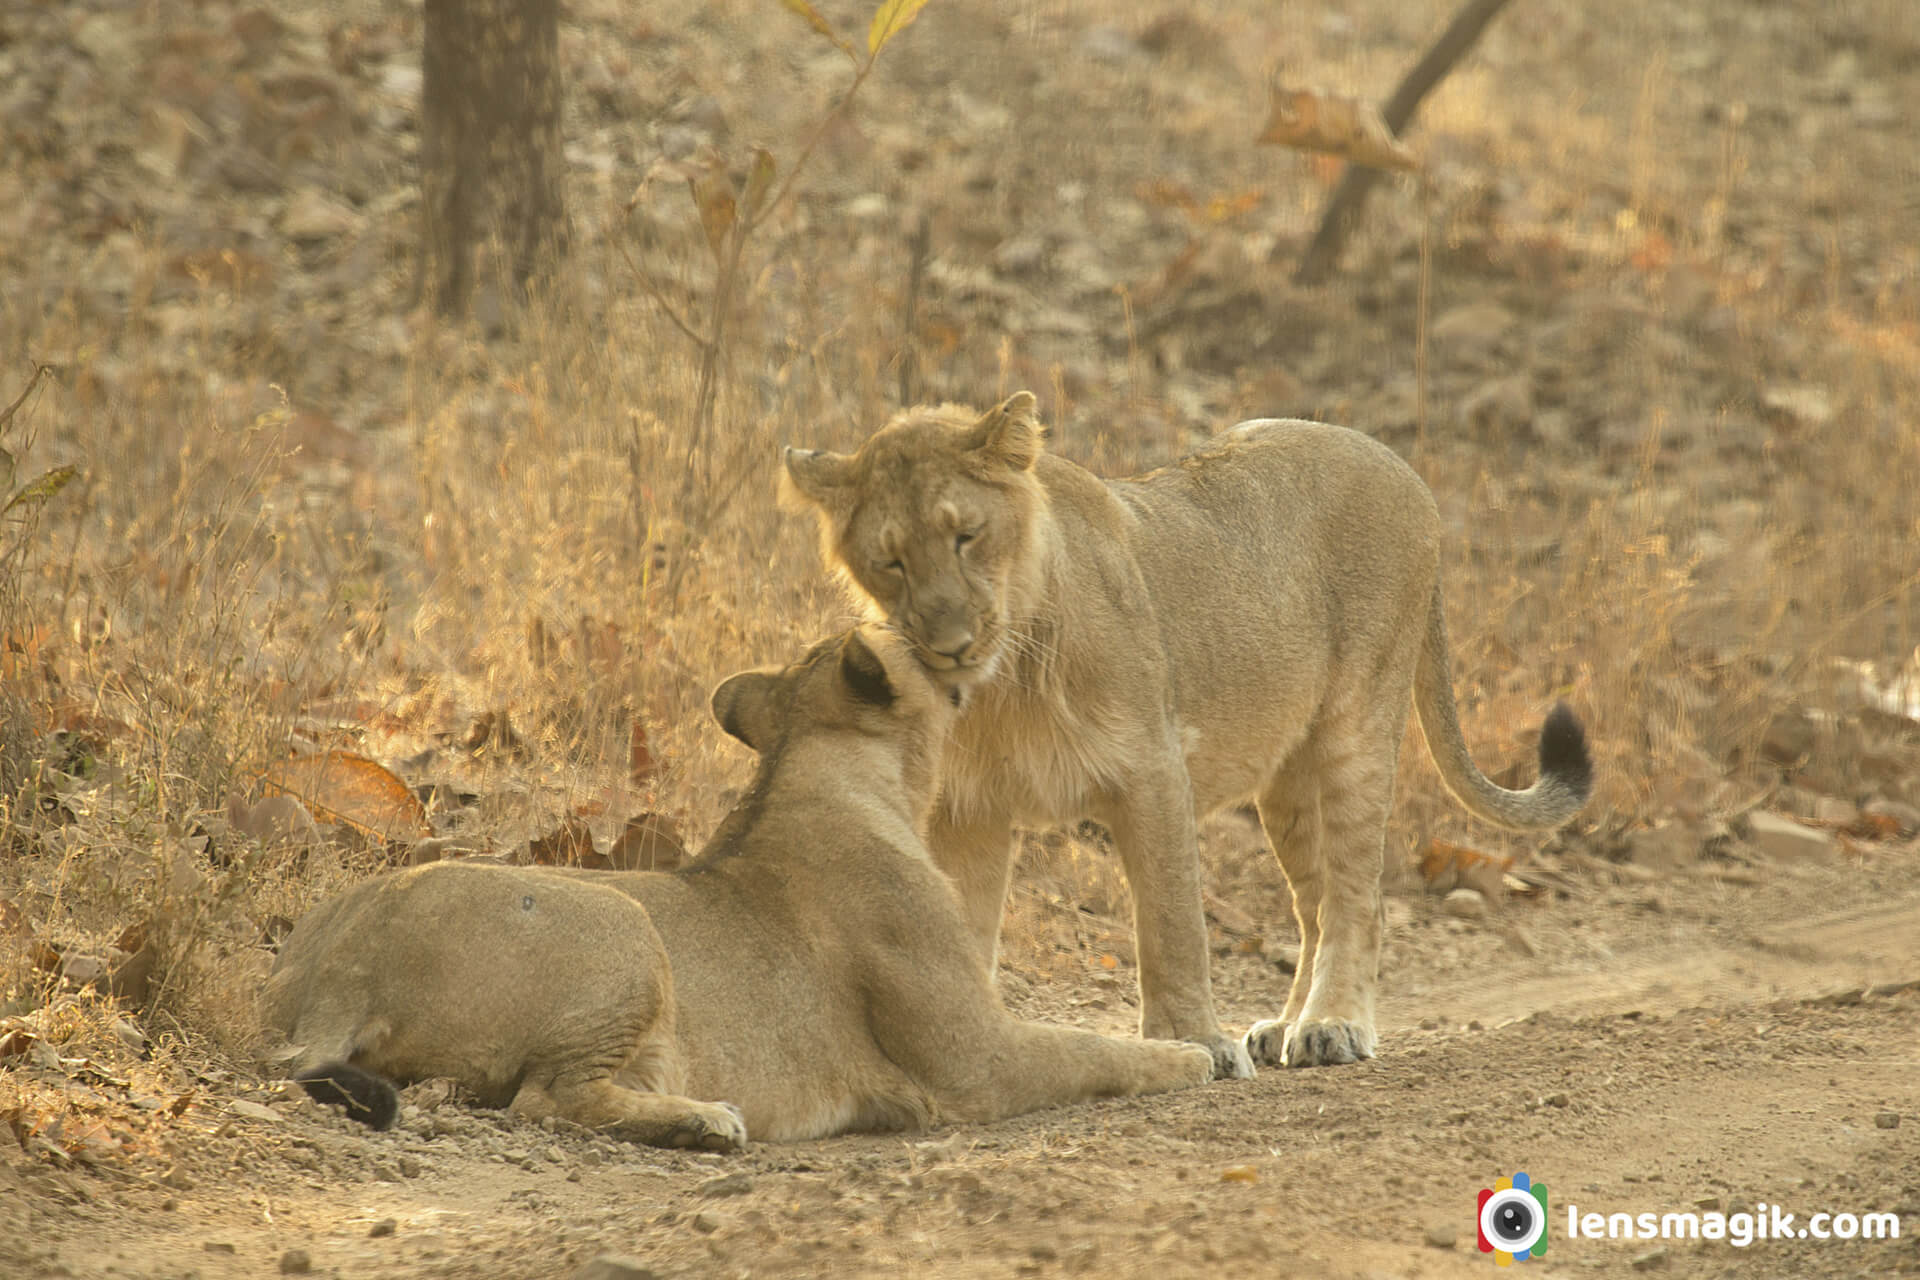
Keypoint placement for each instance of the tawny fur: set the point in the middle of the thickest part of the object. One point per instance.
(810, 968)
(1252, 622)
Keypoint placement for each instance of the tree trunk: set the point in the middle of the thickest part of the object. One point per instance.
(492, 165)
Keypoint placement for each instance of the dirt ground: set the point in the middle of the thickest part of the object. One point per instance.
(1650, 326)
(1759, 1058)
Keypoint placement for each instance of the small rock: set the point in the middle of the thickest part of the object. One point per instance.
(111, 40)
(615, 1266)
(216, 1246)
(1789, 737)
(384, 1227)
(1473, 331)
(1803, 406)
(131, 1036)
(1834, 810)
(1019, 255)
(1887, 1120)
(1441, 1235)
(176, 1179)
(732, 1184)
(275, 821)
(1666, 847)
(1786, 840)
(1465, 904)
(1502, 405)
(1650, 1260)
(253, 1111)
(1558, 1100)
(295, 1262)
(1109, 44)
(313, 215)
(555, 1155)
(706, 1222)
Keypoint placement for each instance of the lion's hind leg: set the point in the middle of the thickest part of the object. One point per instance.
(1337, 893)
(654, 1119)
(1290, 813)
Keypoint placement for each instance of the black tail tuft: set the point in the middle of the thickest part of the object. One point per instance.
(368, 1098)
(1563, 751)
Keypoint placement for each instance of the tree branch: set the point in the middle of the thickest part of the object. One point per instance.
(1343, 210)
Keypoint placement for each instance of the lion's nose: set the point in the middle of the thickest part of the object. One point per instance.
(950, 641)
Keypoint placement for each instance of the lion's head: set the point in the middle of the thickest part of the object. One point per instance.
(860, 686)
(933, 521)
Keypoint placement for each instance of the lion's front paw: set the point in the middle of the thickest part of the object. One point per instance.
(717, 1126)
(1230, 1060)
(1326, 1042)
(1266, 1043)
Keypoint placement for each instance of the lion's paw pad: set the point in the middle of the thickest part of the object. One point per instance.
(1327, 1042)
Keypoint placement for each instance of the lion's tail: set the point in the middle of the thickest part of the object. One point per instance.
(371, 1099)
(1566, 770)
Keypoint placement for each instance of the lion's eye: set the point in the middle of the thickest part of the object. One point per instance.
(891, 566)
(960, 540)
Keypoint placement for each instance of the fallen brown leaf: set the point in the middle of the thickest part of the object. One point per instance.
(1309, 121)
(341, 787)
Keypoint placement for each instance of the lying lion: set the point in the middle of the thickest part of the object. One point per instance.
(811, 967)
(1251, 622)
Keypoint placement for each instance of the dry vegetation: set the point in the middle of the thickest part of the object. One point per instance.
(1655, 350)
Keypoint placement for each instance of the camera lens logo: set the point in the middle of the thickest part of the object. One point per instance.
(1513, 1220)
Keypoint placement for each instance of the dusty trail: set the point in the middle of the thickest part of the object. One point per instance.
(1727, 1074)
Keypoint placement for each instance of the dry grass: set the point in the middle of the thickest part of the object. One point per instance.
(503, 527)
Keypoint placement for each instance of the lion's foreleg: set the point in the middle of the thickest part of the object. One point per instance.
(1154, 830)
(975, 851)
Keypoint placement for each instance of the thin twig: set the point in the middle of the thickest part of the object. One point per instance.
(659, 299)
(1343, 210)
(916, 272)
(39, 371)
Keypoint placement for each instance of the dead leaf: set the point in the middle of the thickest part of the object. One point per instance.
(14, 922)
(651, 842)
(759, 182)
(16, 1037)
(1240, 1173)
(1347, 127)
(640, 762)
(568, 845)
(712, 189)
(341, 787)
(1873, 826)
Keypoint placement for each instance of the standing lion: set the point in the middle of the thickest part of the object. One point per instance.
(1252, 621)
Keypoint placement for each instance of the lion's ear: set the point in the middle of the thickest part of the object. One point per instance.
(813, 477)
(743, 704)
(1010, 433)
(865, 674)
